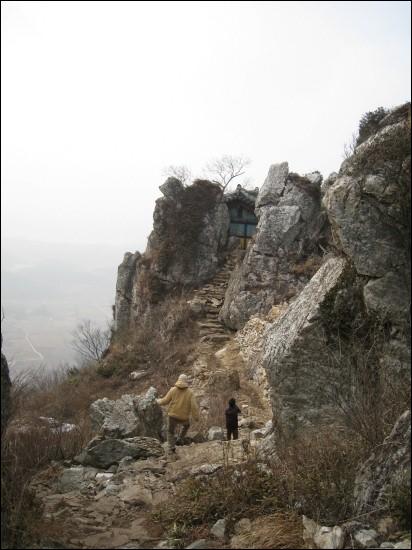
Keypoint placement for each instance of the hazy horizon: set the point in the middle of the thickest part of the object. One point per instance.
(99, 97)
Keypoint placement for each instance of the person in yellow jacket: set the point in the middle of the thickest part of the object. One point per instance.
(182, 407)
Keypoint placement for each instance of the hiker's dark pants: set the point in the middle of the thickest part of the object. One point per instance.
(173, 424)
(232, 431)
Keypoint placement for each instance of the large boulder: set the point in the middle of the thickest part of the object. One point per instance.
(5, 391)
(295, 352)
(387, 470)
(103, 453)
(284, 252)
(128, 416)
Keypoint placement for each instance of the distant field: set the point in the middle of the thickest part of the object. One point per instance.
(46, 291)
(41, 340)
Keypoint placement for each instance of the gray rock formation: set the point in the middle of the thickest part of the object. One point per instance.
(387, 470)
(128, 416)
(368, 207)
(103, 453)
(295, 346)
(190, 231)
(5, 391)
(126, 275)
(284, 253)
(185, 248)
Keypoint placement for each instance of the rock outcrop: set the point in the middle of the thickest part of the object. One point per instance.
(126, 274)
(5, 391)
(103, 453)
(284, 252)
(368, 207)
(187, 245)
(128, 416)
(387, 471)
(295, 351)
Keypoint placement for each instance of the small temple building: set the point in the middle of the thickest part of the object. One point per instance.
(241, 205)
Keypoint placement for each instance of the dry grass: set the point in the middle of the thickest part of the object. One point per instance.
(318, 472)
(29, 445)
(279, 530)
(313, 476)
(161, 344)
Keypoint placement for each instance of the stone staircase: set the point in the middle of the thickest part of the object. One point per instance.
(210, 300)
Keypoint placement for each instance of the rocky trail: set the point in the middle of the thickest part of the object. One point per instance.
(209, 300)
(111, 506)
(89, 508)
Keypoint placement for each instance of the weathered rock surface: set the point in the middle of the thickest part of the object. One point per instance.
(103, 453)
(185, 248)
(294, 347)
(317, 536)
(387, 469)
(284, 252)
(219, 528)
(128, 416)
(126, 275)
(216, 434)
(368, 206)
(5, 391)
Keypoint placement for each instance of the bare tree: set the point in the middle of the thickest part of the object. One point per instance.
(349, 148)
(180, 172)
(226, 168)
(89, 341)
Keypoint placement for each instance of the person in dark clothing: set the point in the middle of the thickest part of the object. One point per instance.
(231, 419)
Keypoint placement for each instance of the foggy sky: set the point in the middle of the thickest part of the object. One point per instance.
(98, 97)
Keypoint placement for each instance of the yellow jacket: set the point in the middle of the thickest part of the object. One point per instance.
(182, 403)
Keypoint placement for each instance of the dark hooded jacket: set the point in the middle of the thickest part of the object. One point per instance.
(231, 416)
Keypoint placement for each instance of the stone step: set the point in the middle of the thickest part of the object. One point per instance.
(211, 324)
(215, 338)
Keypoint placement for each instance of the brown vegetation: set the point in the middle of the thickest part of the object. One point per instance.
(313, 476)
(30, 444)
(161, 344)
(279, 530)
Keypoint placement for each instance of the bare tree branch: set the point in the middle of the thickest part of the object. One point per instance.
(180, 172)
(226, 169)
(89, 341)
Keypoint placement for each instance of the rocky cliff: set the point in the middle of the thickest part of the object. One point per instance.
(185, 248)
(342, 347)
(286, 249)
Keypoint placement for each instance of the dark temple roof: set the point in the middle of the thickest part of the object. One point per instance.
(246, 196)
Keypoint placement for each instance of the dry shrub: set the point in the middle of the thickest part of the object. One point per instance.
(318, 472)
(313, 476)
(279, 530)
(233, 492)
(28, 445)
(161, 344)
(65, 396)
